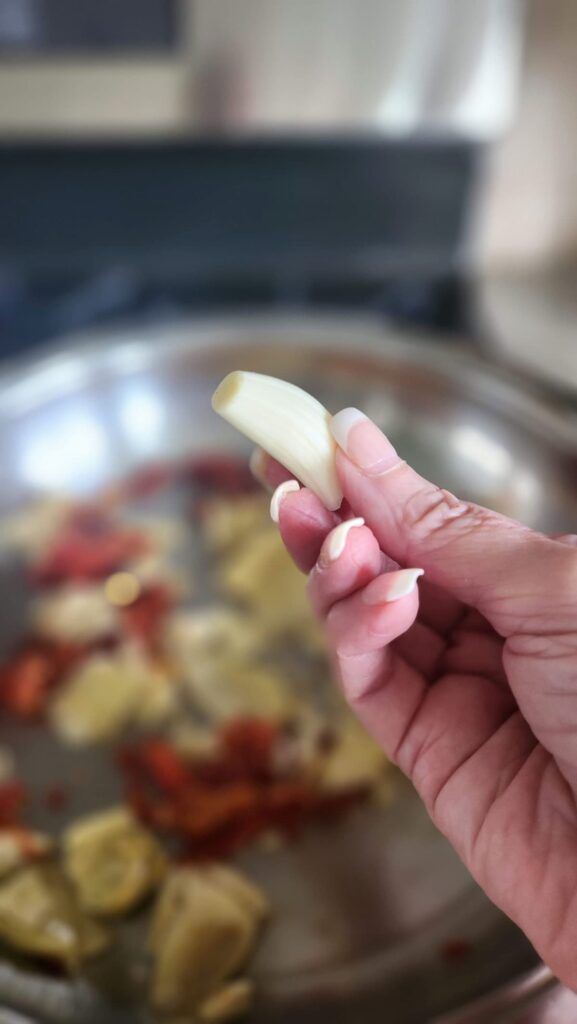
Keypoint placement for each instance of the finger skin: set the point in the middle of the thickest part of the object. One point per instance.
(523, 583)
(422, 647)
(482, 558)
(356, 627)
(505, 803)
(267, 470)
(332, 580)
(304, 523)
(360, 635)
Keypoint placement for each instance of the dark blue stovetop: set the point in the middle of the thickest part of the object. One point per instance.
(94, 233)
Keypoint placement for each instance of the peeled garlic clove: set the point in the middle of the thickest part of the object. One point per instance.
(288, 423)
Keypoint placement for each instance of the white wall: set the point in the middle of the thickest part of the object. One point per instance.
(529, 217)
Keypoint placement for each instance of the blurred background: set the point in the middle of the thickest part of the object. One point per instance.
(162, 158)
(313, 180)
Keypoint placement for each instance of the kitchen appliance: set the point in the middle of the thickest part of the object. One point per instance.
(209, 154)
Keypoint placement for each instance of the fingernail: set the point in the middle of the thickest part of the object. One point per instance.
(392, 586)
(363, 442)
(335, 541)
(280, 495)
(256, 464)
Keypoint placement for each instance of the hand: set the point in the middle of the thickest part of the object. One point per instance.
(468, 680)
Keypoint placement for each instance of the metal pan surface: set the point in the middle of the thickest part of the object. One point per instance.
(372, 917)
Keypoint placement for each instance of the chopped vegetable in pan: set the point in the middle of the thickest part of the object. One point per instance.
(210, 704)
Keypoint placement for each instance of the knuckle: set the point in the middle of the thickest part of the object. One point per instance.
(433, 511)
(569, 539)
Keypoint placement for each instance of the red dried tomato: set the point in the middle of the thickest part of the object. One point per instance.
(144, 617)
(28, 678)
(164, 766)
(83, 554)
(248, 745)
(215, 806)
(25, 683)
(219, 473)
(12, 801)
(224, 842)
(147, 481)
(89, 519)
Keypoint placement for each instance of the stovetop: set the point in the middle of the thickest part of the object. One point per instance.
(32, 312)
(94, 233)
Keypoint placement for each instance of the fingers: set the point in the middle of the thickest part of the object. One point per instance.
(303, 522)
(474, 654)
(360, 630)
(368, 620)
(421, 646)
(267, 470)
(438, 608)
(504, 569)
(349, 559)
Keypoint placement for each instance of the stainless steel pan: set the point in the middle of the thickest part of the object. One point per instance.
(376, 920)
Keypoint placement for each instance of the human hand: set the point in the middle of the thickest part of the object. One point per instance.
(468, 680)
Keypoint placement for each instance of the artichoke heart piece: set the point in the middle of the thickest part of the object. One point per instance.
(212, 631)
(76, 614)
(227, 1003)
(227, 524)
(216, 653)
(263, 576)
(224, 690)
(113, 862)
(40, 916)
(202, 933)
(354, 762)
(106, 694)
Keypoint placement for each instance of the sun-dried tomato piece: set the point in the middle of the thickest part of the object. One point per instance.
(12, 801)
(289, 805)
(219, 473)
(88, 519)
(165, 766)
(24, 684)
(215, 806)
(27, 679)
(148, 480)
(248, 745)
(144, 617)
(86, 554)
(213, 809)
(224, 842)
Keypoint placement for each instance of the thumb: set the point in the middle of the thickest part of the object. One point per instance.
(514, 576)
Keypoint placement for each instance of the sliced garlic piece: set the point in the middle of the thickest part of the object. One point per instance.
(288, 423)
